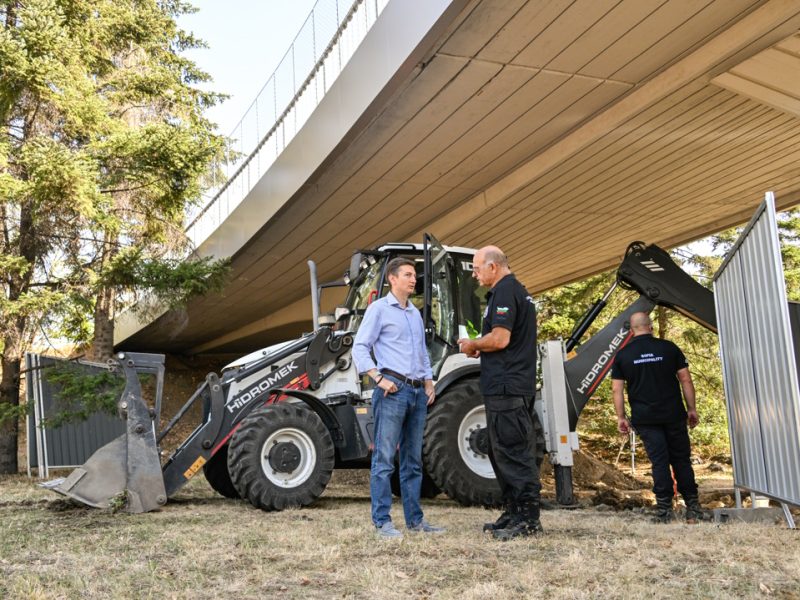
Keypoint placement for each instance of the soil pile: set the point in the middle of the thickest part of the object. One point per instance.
(598, 483)
(591, 473)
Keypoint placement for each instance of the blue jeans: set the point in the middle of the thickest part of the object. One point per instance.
(399, 419)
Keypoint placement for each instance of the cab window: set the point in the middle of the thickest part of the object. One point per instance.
(471, 298)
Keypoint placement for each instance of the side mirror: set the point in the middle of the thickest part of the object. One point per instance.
(340, 312)
(355, 265)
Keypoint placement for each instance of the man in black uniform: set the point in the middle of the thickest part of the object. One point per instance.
(507, 349)
(656, 371)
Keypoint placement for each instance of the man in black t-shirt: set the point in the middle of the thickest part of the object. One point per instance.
(507, 348)
(656, 371)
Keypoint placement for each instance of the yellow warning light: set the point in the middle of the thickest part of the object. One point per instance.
(563, 439)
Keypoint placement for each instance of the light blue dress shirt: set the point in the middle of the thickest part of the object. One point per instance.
(397, 337)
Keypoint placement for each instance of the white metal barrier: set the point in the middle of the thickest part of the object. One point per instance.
(759, 363)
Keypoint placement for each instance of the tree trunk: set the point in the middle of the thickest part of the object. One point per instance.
(13, 344)
(661, 319)
(9, 398)
(103, 341)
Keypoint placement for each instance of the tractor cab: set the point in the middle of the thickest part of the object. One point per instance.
(449, 298)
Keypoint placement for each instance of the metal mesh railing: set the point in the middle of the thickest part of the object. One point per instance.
(318, 54)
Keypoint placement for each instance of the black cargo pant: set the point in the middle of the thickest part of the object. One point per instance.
(512, 450)
(668, 444)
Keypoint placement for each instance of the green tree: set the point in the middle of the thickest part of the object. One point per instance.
(104, 145)
(789, 232)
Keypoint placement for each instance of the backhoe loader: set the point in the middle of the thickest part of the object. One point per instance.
(278, 421)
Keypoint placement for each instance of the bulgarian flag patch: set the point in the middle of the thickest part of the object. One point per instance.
(501, 310)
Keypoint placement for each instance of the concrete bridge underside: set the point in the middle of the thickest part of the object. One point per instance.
(559, 130)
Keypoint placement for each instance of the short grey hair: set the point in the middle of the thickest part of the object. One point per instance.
(496, 257)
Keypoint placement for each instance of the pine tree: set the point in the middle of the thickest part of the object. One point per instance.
(104, 144)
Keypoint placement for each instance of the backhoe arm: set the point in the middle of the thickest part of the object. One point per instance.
(650, 271)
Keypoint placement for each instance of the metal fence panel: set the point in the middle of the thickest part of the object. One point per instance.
(71, 444)
(759, 361)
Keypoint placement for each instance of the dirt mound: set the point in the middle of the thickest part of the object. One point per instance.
(591, 473)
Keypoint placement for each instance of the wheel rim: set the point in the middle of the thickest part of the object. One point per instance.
(305, 466)
(477, 462)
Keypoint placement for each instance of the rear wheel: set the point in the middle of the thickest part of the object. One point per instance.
(216, 472)
(456, 446)
(281, 456)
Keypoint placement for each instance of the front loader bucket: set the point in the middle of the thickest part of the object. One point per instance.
(126, 472)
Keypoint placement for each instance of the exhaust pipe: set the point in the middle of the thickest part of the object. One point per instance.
(312, 267)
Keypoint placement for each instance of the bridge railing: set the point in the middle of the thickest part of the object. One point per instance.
(316, 57)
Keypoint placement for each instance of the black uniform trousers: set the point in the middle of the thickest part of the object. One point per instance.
(512, 450)
(668, 444)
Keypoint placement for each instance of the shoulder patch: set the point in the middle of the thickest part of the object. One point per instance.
(501, 310)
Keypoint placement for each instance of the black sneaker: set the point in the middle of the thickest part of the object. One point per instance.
(502, 522)
(523, 528)
(695, 514)
(664, 512)
(663, 516)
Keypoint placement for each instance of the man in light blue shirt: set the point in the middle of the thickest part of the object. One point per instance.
(392, 329)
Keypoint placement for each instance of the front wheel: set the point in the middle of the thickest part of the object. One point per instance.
(216, 472)
(281, 456)
(456, 446)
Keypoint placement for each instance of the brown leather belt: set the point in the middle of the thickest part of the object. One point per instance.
(412, 382)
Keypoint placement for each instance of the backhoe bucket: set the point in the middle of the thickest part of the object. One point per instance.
(126, 472)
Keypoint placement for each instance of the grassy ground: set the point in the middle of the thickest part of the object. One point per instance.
(203, 546)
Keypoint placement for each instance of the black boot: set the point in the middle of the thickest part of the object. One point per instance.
(525, 522)
(663, 510)
(502, 521)
(694, 512)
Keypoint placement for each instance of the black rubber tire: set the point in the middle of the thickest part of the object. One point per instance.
(216, 472)
(244, 456)
(428, 490)
(440, 453)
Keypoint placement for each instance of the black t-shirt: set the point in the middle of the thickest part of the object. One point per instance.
(649, 366)
(512, 370)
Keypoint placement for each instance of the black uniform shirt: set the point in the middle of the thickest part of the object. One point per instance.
(649, 366)
(512, 370)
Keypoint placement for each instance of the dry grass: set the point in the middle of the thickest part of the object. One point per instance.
(204, 546)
